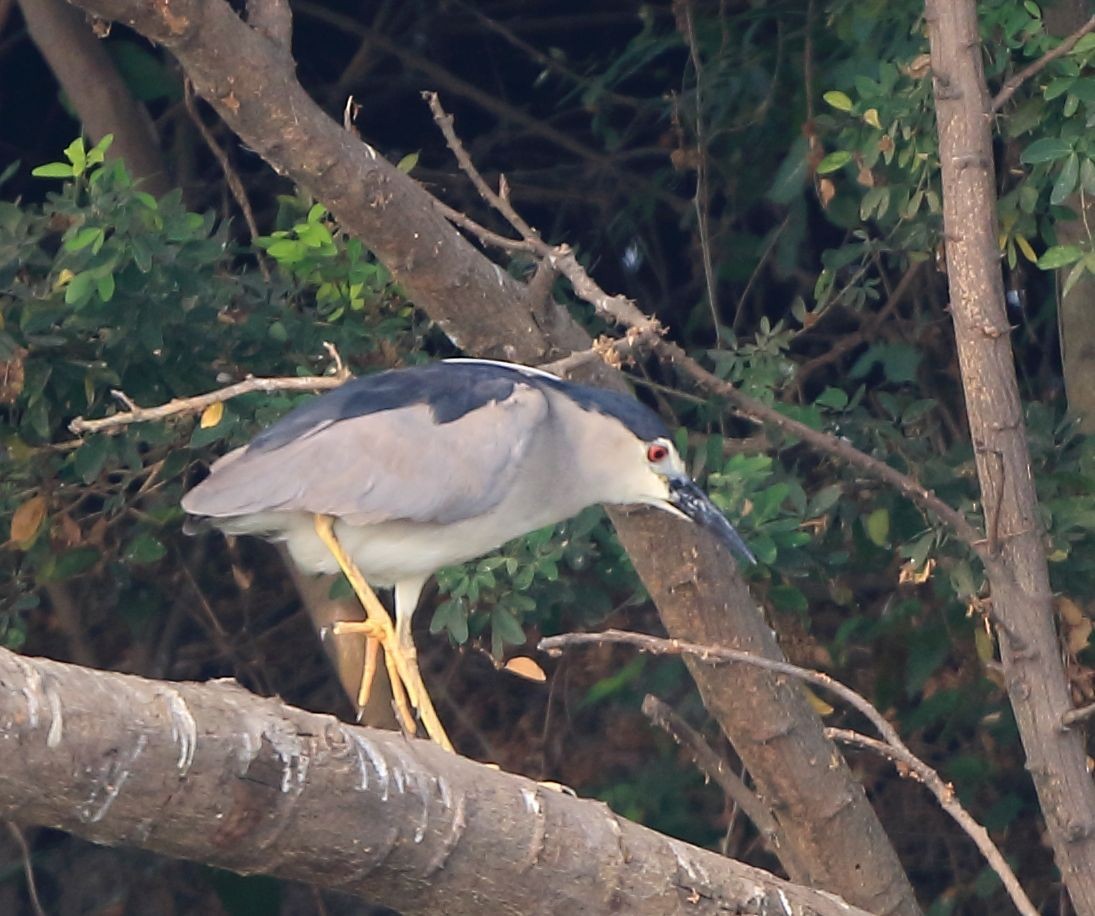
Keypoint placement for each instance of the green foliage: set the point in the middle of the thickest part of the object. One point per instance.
(104, 288)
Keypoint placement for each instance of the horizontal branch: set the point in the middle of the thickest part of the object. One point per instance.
(213, 773)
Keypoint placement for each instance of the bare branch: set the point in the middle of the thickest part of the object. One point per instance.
(231, 177)
(909, 765)
(179, 406)
(892, 747)
(716, 769)
(1009, 88)
(213, 773)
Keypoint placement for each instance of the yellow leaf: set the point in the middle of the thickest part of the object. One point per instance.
(1024, 246)
(983, 645)
(212, 415)
(871, 117)
(27, 520)
(911, 575)
(878, 526)
(1077, 625)
(817, 704)
(63, 279)
(525, 667)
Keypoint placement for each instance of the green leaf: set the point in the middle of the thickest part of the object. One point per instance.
(286, 250)
(791, 174)
(824, 500)
(78, 290)
(878, 526)
(1047, 149)
(1084, 90)
(89, 458)
(81, 238)
(1073, 277)
(834, 162)
(1087, 175)
(506, 626)
(1057, 87)
(97, 153)
(407, 163)
(838, 100)
(77, 155)
(788, 598)
(615, 683)
(145, 548)
(53, 170)
(833, 398)
(1060, 256)
(1066, 181)
(68, 564)
(105, 287)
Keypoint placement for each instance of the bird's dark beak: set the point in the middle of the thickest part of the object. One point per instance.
(691, 501)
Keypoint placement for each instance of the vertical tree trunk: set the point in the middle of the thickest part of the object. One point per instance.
(1022, 603)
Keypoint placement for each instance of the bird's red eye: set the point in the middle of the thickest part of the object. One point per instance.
(656, 453)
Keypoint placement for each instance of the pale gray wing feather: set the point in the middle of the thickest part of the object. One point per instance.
(396, 464)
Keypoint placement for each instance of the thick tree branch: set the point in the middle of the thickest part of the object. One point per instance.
(694, 583)
(1021, 600)
(213, 773)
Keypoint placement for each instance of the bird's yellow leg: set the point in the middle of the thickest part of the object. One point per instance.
(377, 628)
(426, 712)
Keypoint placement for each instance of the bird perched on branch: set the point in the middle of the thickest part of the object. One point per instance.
(394, 475)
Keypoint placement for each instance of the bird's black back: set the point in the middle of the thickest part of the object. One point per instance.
(450, 390)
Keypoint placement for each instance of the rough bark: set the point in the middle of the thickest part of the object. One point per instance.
(246, 78)
(213, 773)
(95, 88)
(1022, 603)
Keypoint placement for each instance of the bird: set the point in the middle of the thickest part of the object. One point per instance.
(393, 475)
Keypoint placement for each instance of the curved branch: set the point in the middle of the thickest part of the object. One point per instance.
(211, 772)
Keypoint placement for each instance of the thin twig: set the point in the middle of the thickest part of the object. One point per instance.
(486, 236)
(891, 747)
(1011, 85)
(701, 197)
(739, 310)
(235, 186)
(498, 201)
(716, 769)
(944, 793)
(849, 342)
(178, 406)
(28, 869)
(1079, 714)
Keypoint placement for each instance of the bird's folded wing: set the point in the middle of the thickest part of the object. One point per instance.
(394, 464)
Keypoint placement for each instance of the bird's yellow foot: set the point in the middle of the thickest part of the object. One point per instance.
(400, 660)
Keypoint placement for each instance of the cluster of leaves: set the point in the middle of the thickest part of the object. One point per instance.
(880, 133)
(104, 288)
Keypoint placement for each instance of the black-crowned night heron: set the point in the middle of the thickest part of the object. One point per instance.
(394, 475)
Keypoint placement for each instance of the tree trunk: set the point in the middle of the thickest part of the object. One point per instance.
(1022, 604)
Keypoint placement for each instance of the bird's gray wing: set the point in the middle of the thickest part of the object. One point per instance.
(394, 464)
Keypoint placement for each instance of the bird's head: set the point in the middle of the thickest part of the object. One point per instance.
(663, 482)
